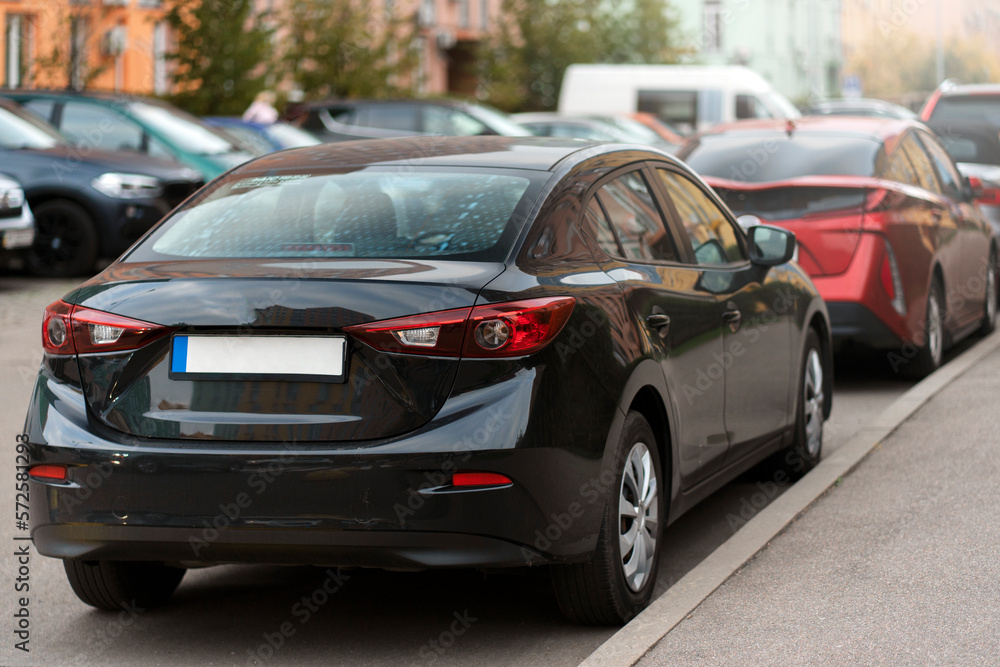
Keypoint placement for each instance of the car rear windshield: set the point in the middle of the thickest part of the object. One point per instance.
(372, 213)
(976, 108)
(764, 158)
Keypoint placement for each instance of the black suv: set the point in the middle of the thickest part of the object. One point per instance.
(342, 120)
(87, 203)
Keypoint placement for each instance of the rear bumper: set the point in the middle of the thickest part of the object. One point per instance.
(292, 546)
(372, 503)
(854, 322)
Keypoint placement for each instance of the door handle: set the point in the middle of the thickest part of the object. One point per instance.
(732, 318)
(660, 322)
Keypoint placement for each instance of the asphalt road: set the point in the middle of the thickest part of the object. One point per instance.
(235, 614)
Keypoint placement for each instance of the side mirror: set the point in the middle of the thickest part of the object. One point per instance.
(974, 188)
(770, 246)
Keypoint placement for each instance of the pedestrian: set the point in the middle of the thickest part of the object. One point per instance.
(262, 109)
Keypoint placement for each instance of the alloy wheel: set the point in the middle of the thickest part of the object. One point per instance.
(637, 511)
(812, 396)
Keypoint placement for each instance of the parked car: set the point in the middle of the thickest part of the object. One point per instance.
(668, 133)
(87, 204)
(860, 107)
(265, 138)
(109, 122)
(417, 353)
(597, 128)
(689, 97)
(17, 224)
(967, 121)
(886, 225)
(341, 120)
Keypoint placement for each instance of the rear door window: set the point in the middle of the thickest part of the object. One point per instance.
(402, 117)
(926, 176)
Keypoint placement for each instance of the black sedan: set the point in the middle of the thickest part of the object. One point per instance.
(420, 353)
(88, 203)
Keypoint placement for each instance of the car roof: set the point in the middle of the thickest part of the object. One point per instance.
(336, 101)
(98, 95)
(532, 153)
(879, 129)
(971, 89)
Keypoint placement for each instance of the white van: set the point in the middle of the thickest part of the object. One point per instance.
(688, 97)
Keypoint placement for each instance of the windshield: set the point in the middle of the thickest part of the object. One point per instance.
(976, 108)
(498, 122)
(290, 136)
(763, 158)
(183, 130)
(22, 130)
(373, 213)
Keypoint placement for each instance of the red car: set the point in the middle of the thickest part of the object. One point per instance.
(886, 225)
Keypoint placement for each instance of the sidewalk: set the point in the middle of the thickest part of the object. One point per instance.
(898, 564)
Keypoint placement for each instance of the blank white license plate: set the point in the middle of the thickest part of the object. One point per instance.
(302, 358)
(18, 238)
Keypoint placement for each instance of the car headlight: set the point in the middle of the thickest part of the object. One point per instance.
(127, 186)
(11, 199)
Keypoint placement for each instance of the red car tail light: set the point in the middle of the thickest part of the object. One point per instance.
(69, 329)
(509, 329)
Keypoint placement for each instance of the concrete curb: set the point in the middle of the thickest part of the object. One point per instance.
(628, 645)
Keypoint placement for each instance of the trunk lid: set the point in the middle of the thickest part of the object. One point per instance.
(381, 395)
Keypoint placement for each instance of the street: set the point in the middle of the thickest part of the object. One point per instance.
(283, 615)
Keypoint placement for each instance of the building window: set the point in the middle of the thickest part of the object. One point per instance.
(17, 50)
(161, 82)
(713, 27)
(484, 14)
(463, 14)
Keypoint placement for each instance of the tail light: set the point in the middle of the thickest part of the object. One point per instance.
(891, 281)
(510, 329)
(989, 196)
(69, 329)
(51, 473)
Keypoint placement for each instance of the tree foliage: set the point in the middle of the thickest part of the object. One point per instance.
(903, 62)
(345, 48)
(536, 40)
(221, 54)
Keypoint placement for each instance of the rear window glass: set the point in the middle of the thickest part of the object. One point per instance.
(375, 213)
(759, 158)
(978, 108)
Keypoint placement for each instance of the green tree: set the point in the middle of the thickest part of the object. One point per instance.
(524, 61)
(345, 48)
(222, 53)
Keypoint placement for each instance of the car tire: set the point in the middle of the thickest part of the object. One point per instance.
(114, 585)
(612, 588)
(929, 354)
(989, 323)
(66, 242)
(806, 449)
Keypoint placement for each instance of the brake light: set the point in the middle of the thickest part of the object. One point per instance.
(470, 479)
(69, 329)
(509, 329)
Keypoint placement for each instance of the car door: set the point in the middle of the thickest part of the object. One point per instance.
(974, 234)
(678, 321)
(757, 352)
(942, 233)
